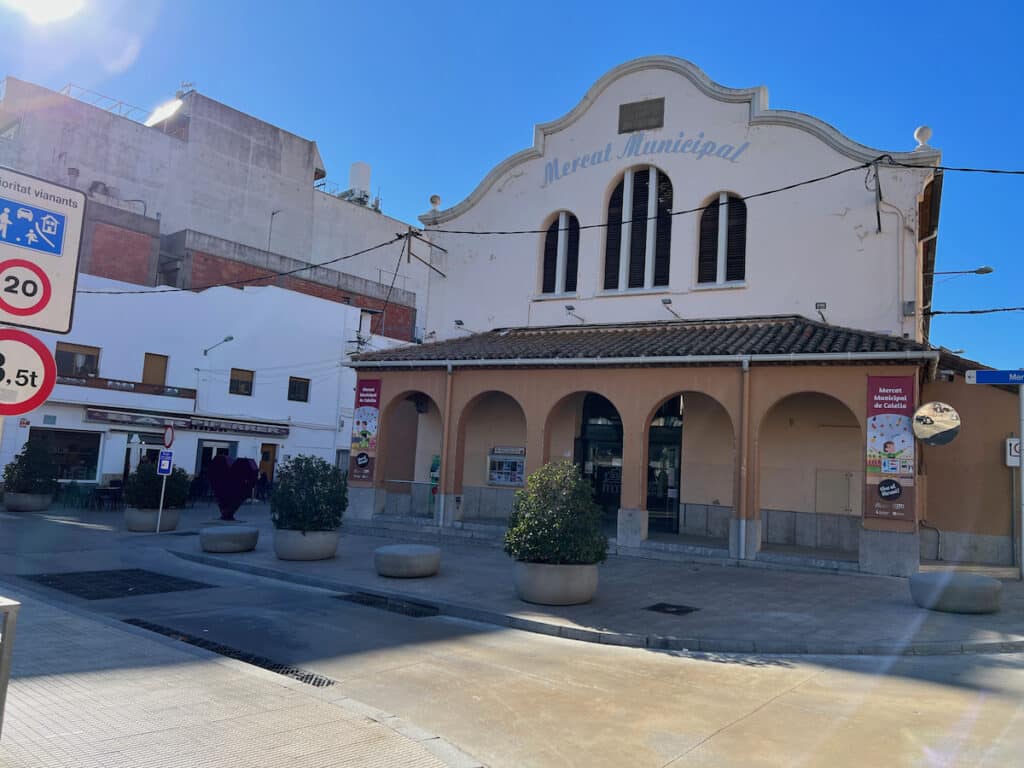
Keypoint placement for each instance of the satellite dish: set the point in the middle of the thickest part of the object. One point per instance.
(936, 423)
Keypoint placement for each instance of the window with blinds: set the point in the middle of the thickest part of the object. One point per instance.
(561, 244)
(723, 259)
(240, 382)
(642, 204)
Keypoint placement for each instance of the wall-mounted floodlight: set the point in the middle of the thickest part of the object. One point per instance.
(225, 340)
(667, 303)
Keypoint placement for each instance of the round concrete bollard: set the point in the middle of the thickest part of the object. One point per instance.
(407, 561)
(956, 592)
(229, 538)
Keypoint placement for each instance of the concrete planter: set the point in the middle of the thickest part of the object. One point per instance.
(144, 520)
(27, 502)
(311, 545)
(555, 584)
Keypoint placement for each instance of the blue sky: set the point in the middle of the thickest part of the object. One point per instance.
(432, 95)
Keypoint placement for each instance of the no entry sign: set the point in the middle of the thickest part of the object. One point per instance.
(27, 372)
(40, 235)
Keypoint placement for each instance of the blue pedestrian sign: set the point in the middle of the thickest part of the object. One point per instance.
(1014, 378)
(40, 238)
(165, 462)
(27, 226)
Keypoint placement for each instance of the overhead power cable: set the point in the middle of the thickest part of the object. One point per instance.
(989, 311)
(303, 268)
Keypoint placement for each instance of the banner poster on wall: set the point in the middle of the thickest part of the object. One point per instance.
(889, 480)
(366, 415)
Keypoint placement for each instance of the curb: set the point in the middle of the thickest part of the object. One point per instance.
(651, 642)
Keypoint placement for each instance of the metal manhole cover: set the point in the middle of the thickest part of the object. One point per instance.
(107, 585)
(671, 608)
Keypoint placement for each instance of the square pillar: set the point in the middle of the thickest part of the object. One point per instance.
(363, 502)
(744, 538)
(632, 527)
(889, 553)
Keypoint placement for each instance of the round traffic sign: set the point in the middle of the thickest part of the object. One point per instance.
(24, 287)
(27, 372)
(168, 436)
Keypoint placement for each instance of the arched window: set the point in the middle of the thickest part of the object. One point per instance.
(638, 240)
(722, 256)
(561, 255)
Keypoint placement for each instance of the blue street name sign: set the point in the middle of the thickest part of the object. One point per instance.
(163, 465)
(1015, 378)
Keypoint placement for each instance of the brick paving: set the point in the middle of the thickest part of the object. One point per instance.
(87, 693)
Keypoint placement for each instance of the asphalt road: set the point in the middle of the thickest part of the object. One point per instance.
(517, 699)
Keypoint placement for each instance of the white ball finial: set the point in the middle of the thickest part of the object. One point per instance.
(435, 202)
(922, 134)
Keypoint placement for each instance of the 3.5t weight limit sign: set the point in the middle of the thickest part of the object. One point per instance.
(27, 372)
(40, 235)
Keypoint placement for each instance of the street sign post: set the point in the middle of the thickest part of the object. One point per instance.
(27, 372)
(1013, 451)
(164, 465)
(1012, 378)
(40, 237)
(168, 436)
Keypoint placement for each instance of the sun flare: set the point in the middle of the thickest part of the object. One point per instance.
(44, 11)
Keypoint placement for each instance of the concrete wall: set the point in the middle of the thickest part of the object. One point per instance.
(808, 440)
(813, 244)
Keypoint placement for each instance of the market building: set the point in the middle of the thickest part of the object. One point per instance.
(719, 312)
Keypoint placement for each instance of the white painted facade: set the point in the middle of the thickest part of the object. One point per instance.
(277, 334)
(816, 243)
(226, 179)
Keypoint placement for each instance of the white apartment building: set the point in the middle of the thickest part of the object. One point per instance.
(254, 373)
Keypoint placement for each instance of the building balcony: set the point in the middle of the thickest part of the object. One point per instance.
(119, 385)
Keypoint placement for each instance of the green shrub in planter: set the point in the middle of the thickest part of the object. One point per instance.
(32, 471)
(142, 489)
(555, 520)
(309, 495)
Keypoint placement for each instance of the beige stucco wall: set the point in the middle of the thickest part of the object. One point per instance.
(807, 440)
(563, 427)
(428, 441)
(709, 457)
(401, 430)
(969, 484)
(495, 419)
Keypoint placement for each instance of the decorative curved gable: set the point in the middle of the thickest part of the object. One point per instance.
(760, 114)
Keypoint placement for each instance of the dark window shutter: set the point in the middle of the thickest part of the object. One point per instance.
(707, 255)
(663, 243)
(638, 233)
(613, 240)
(736, 245)
(550, 258)
(572, 254)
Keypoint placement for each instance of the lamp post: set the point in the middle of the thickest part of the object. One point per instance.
(270, 233)
(986, 270)
(225, 340)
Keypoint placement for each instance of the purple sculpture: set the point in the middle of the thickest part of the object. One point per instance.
(232, 483)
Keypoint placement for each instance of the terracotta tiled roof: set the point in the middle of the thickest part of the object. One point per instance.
(737, 336)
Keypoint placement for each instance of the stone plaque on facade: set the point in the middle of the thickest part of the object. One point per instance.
(642, 115)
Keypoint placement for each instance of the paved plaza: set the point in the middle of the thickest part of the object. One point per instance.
(90, 690)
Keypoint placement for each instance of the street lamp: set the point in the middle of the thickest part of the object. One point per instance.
(225, 340)
(986, 270)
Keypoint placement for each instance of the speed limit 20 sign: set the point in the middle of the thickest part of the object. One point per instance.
(27, 372)
(40, 236)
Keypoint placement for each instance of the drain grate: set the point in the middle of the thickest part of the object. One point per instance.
(185, 533)
(671, 608)
(107, 585)
(404, 607)
(295, 673)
